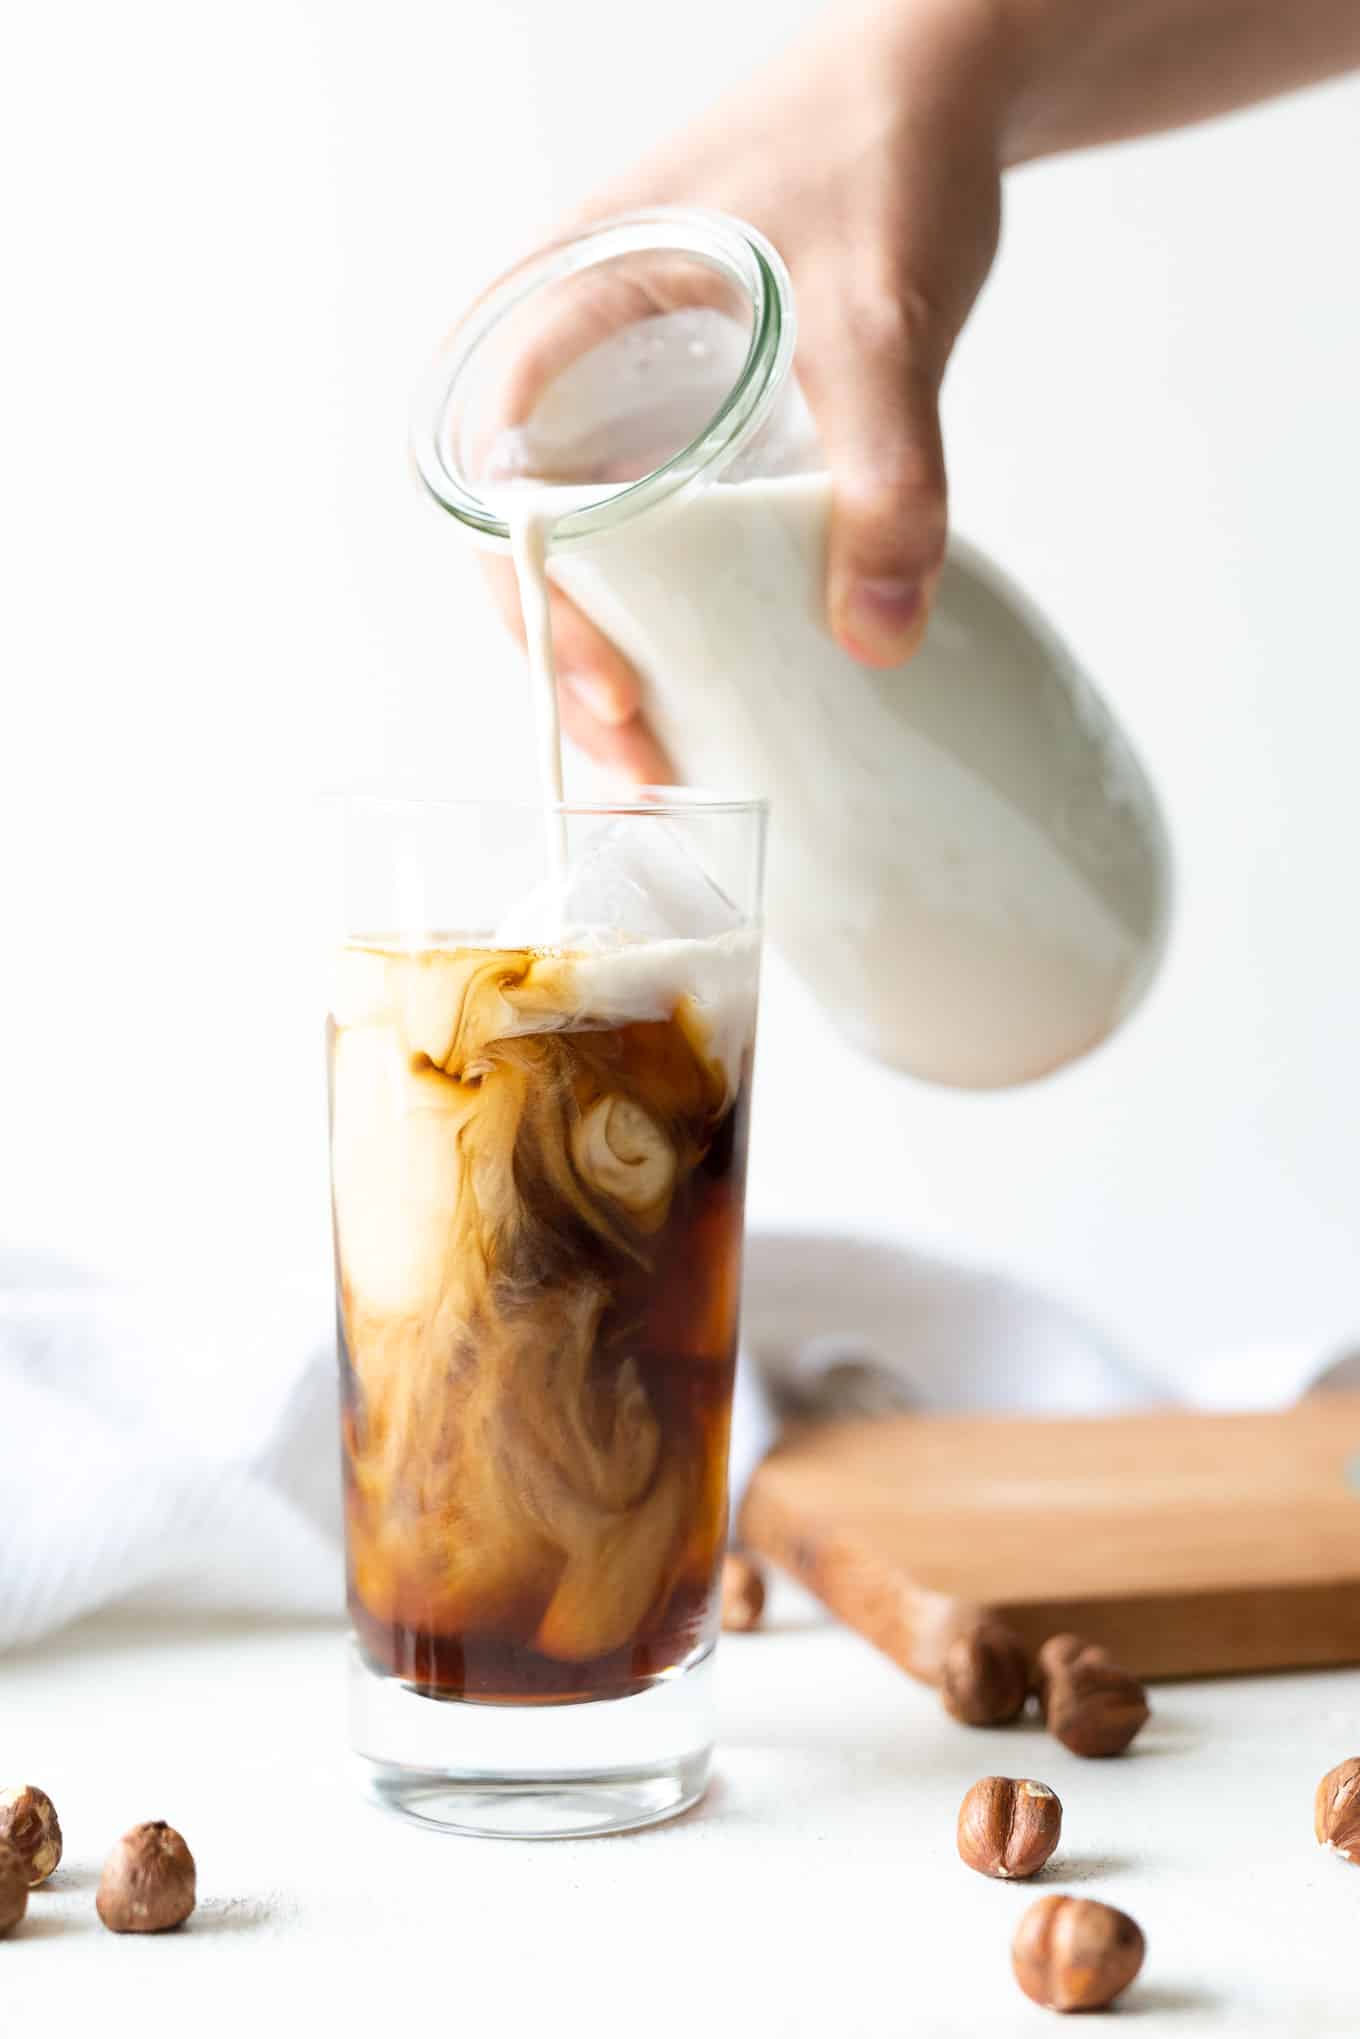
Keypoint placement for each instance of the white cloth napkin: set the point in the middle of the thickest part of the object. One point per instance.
(159, 1450)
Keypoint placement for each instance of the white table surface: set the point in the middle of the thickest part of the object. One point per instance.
(816, 1891)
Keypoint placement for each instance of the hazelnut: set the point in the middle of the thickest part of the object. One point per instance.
(1056, 1655)
(13, 1887)
(1091, 1705)
(743, 1593)
(1071, 1954)
(1009, 1826)
(148, 1881)
(984, 1679)
(1336, 1810)
(28, 1821)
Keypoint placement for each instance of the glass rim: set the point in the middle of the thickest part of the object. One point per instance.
(748, 258)
(661, 801)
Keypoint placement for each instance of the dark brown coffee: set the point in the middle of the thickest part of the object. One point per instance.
(538, 1212)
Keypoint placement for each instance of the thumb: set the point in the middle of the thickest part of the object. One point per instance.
(880, 426)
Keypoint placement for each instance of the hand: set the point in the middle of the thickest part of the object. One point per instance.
(870, 154)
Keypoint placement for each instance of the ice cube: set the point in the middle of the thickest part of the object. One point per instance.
(637, 880)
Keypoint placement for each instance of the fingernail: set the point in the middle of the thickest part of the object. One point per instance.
(597, 697)
(883, 616)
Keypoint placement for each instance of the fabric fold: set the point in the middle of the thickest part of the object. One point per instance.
(188, 1459)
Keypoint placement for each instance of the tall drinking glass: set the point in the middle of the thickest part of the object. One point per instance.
(540, 1089)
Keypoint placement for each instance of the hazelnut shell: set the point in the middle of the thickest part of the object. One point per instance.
(1336, 1810)
(1056, 1655)
(148, 1884)
(13, 1887)
(29, 1823)
(984, 1678)
(1092, 1706)
(743, 1593)
(1072, 1954)
(1009, 1826)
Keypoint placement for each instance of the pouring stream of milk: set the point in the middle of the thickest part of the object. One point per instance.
(530, 520)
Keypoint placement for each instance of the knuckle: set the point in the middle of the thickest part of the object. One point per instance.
(899, 499)
(896, 320)
(880, 324)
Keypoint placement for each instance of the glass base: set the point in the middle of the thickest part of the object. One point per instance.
(534, 1773)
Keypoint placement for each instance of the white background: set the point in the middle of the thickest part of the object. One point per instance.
(233, 235)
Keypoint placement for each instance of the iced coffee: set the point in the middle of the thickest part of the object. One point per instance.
(538, 1157)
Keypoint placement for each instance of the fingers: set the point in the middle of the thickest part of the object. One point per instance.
(878, 415)
(588, 665)
(598, 690)
(626, 748)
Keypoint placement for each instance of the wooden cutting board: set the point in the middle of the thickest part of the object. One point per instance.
(1185, 1543)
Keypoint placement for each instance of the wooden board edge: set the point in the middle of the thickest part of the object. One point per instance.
(1222, 1632)
(911, 1624)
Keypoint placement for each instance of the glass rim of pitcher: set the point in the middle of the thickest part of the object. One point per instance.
(738, 250)
(662, 801)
